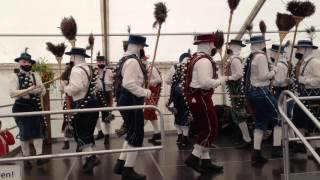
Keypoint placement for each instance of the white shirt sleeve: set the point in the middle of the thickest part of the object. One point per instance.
(263, 70)
(281, 75)
(205, 73)
(155, 77)
(169, 76)
(237, 66)
(78, 81)
(133, 78)
(313, 79)
(108, 80)
(14, 86)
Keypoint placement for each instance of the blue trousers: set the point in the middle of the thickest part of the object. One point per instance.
(264, 106)
(133, 119)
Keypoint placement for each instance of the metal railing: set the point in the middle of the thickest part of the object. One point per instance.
(64, 155)
(287, 123)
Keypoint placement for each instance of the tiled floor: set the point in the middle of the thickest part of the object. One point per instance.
(169, 164)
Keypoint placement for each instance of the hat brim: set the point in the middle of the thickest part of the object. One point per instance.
(306, 46)
(256, 42)
(145, 45)
(277, 51)
(202, 41)
(242, 45)
(19, 58)
(70, 53)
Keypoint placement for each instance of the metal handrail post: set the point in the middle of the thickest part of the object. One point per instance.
(285, 140)
(292, 126)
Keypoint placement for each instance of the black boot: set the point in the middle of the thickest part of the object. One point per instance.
(90, 163)
(155, 137)
(300, 148)
(130, 174)
(106, 139)
(27, 164)
(179, 138)
(100, 135)
(257, 159)
(209, 167)
(194, 162)
(185, 142)
(276, 152)
(66, 145)
(245, 145)
(41, 162)
(118, 168)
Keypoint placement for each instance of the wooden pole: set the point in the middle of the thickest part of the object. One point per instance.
(154, 55)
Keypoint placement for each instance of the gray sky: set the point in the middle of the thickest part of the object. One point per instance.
(44, 16)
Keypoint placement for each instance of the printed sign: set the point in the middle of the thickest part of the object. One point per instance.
(10, 172)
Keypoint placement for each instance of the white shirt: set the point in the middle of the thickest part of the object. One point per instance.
(78, 82)
(280, 78)
(155, 78)
(202, 75)
(14, 85)
(236, 68)
(133, 79)
(260, 74)
(108, 78)
(311, 76)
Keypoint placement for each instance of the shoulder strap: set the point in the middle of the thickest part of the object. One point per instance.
(103, 78)
(237, 57)
(283, 63)
(34, 79)
(19, 80)
(88, 76)
(305, 66)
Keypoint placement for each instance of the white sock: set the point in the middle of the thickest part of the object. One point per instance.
(197, 151)
(98, 126)
(245, 131)
(155, 126)
(123, 155)
(87, 149)
(257, 138)
(291, 134)
(25, 148)
(107, 128)
(179, 129)
(277, 134)
(38, 145)
(185, 130)
(66, 139)
(206, 154)
(131, 157)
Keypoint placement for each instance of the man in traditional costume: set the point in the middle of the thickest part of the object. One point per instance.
(105, 97)
(150, 114)
(281, 81)
(235, 87)
(257, 79)
(179, 109)
(200, 82)
(131, 76)
(30, 127)
(307, 81)
(82, 88)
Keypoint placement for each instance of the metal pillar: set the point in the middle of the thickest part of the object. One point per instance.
(104, 9)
